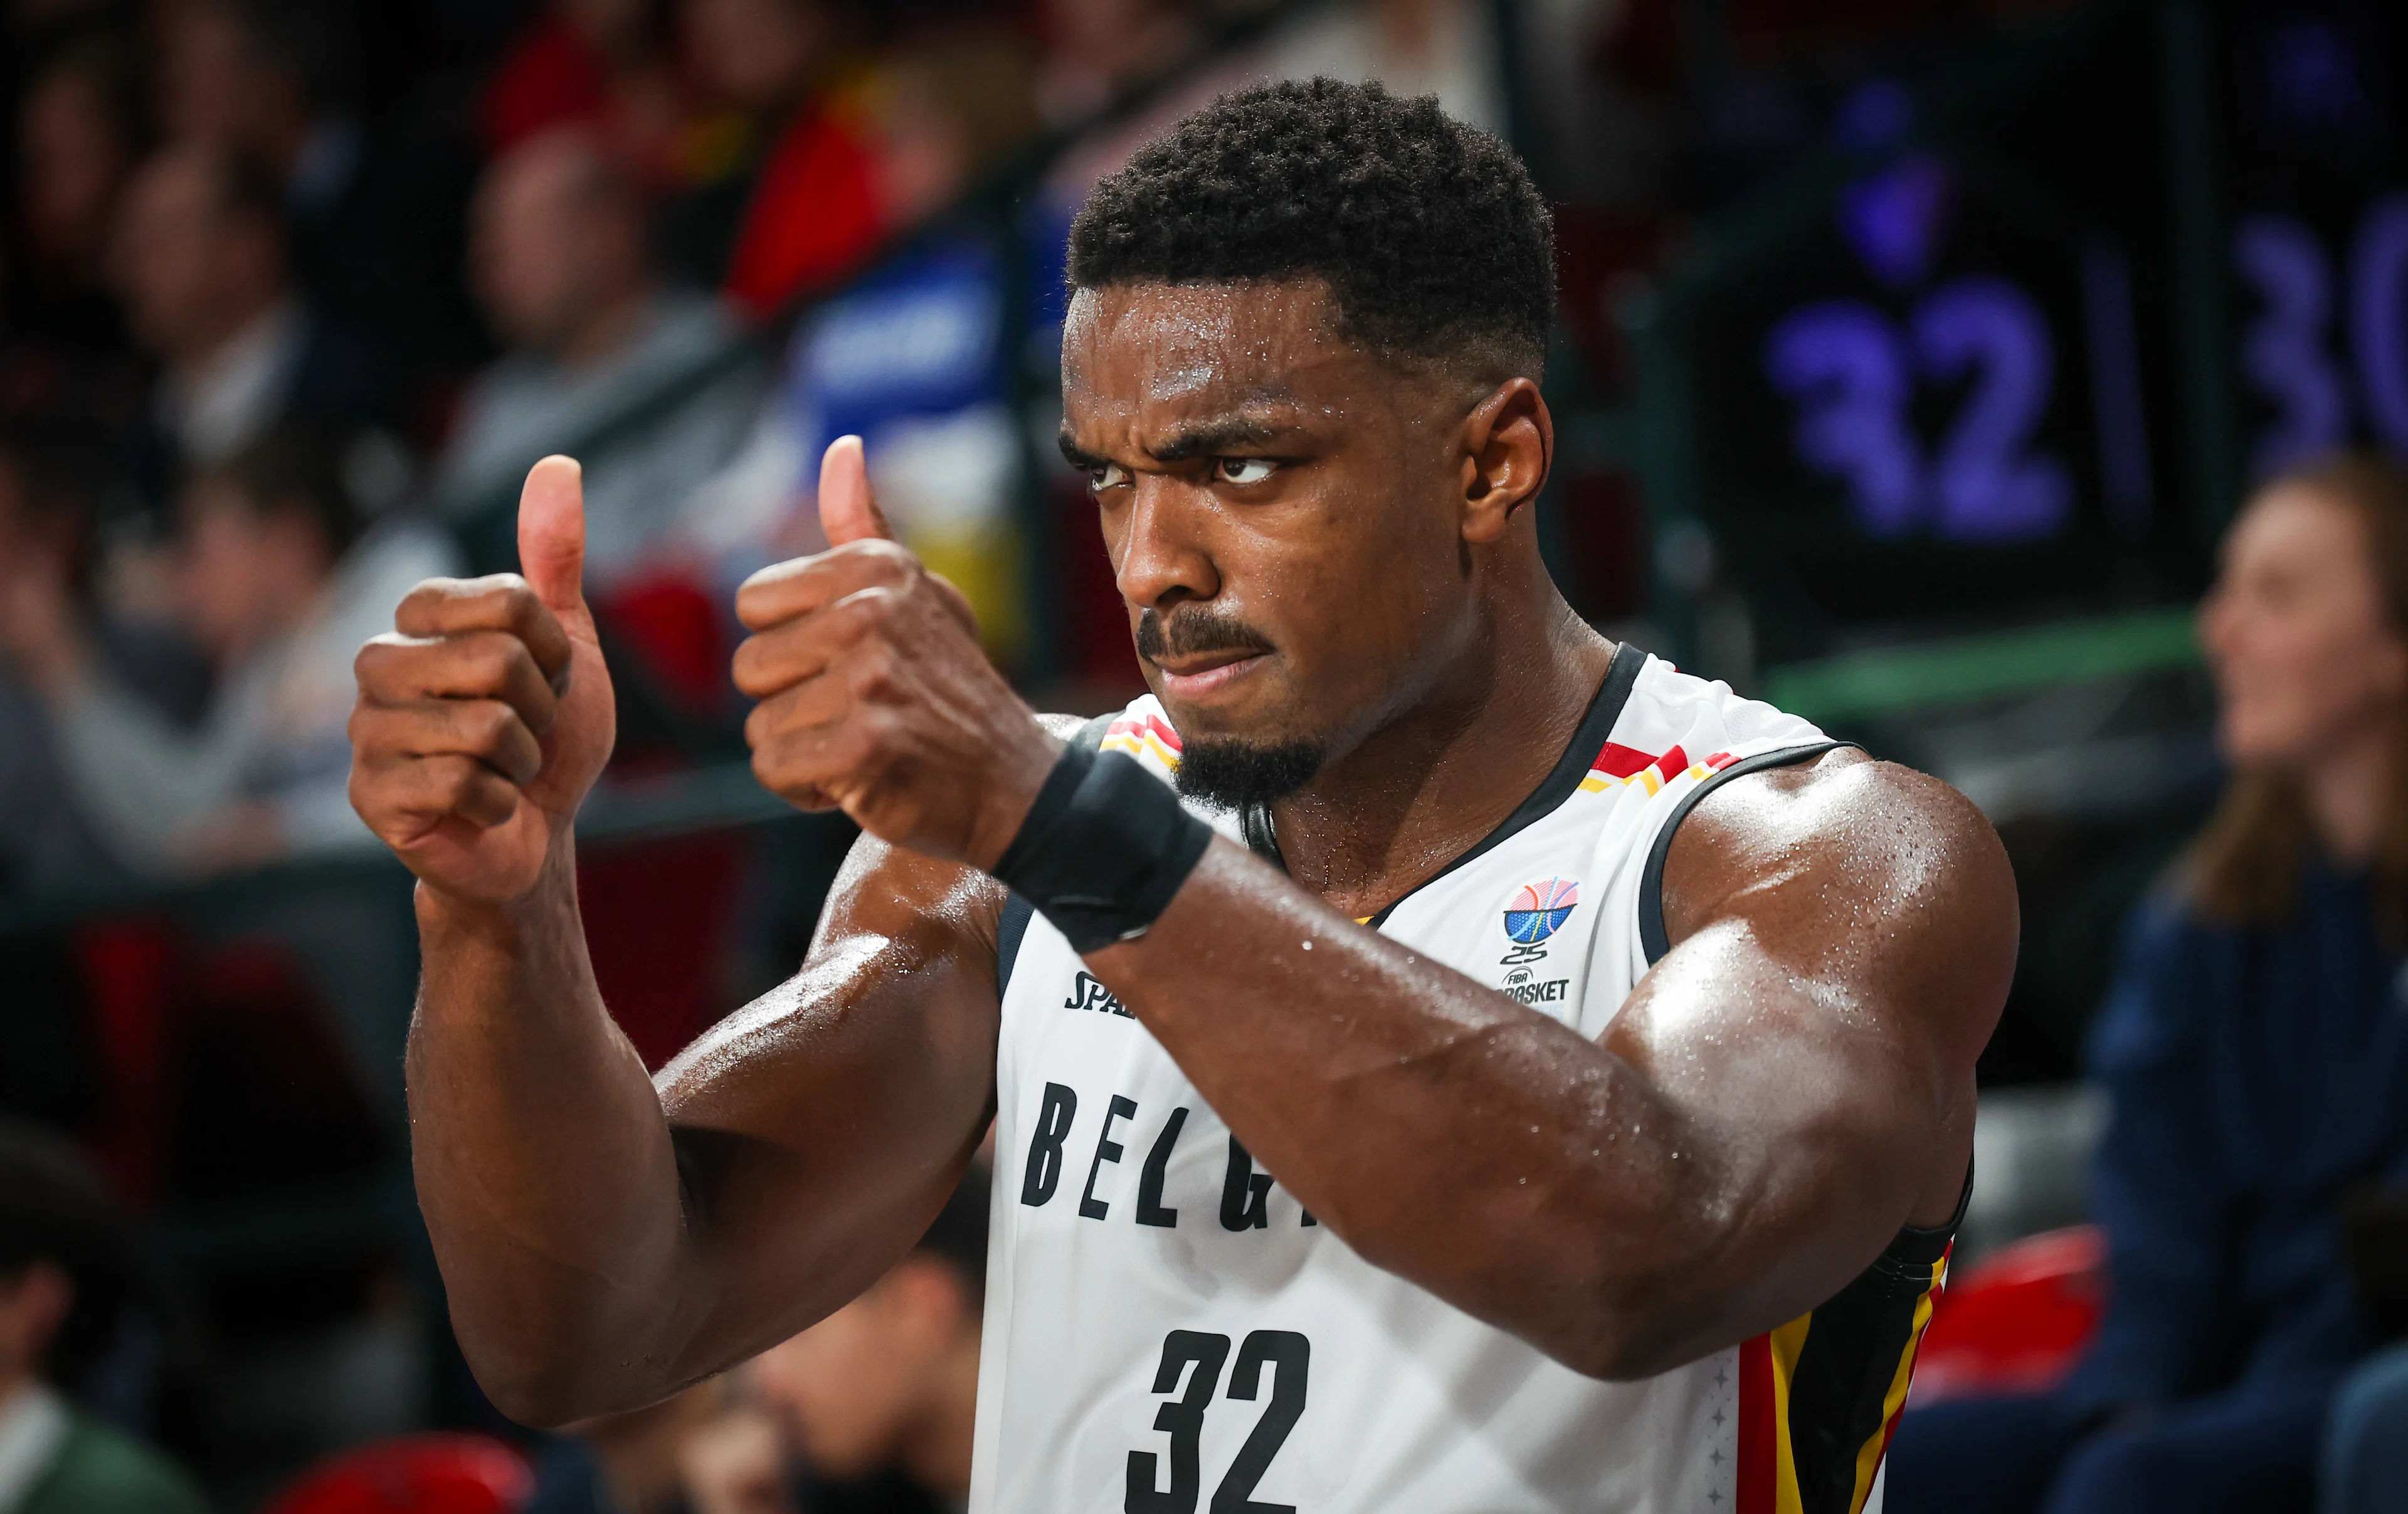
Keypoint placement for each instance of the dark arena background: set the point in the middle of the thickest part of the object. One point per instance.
(1912, 361)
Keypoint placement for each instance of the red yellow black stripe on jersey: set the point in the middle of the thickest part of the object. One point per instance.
(1819, 1397)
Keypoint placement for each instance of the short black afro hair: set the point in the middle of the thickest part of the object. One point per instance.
(1433, 241)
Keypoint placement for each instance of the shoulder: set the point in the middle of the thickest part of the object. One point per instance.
(100, 1471)
(1840, 805)
(1856, 857)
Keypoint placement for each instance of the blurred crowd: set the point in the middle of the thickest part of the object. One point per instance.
(291, 293)
(869, 1411)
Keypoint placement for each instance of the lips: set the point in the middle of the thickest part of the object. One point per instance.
(1206, 674)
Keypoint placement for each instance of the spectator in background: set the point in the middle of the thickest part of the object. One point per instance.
(603, 65)
(66, 1269)
(280, 585)
(372, 219)
(200, 260)
(1446, 47)
(560, 264)
(46, 845)
(80, 131)
(910, 355)
(809, 211)
(944, 113)
(631, 1463)
(880, 1398)
(272, 81)
(1097, 51)
(2256, 1049)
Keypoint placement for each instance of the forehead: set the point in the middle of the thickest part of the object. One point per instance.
(2295, 525)
(1154, 349)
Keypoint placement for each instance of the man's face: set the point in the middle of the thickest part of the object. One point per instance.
(1282, 509)
(243, 575)
(545, 247)
(192, 272)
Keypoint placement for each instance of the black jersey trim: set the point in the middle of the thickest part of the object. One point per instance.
(1652, 938)
(1254, 825)
(1561, 782)
(1859, 1349)
(1014, 928)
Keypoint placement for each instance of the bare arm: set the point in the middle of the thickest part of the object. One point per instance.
(605, 1240)
(1785, 1089)
(602, 1242)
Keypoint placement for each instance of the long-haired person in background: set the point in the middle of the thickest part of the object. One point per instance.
(2256, 1049)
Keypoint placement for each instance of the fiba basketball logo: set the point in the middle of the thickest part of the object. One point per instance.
(1536, 912)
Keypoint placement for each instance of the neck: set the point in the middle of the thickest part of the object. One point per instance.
(2348, 788)
(611, 327)
(937, 1452)
(1434, 778)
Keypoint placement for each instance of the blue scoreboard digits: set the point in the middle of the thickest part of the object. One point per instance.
(2316, 379)
(1853, 372)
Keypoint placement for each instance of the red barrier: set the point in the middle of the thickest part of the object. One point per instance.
(432, 1473)
(2017, 1323)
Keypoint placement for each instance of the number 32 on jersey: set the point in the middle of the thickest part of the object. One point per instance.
(1194, 1358)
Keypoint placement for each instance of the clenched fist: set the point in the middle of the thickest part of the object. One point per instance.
(485, 714)
(875, 696)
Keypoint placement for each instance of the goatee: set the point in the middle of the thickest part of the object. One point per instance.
(1229, 773)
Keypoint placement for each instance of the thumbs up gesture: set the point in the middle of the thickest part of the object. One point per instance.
(875, 696)
(485, 714)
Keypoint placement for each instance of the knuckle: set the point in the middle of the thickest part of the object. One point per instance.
(512, 658)
(488, 723)
(749, 669)
(874, 669)
(488, 663)
(459, 782)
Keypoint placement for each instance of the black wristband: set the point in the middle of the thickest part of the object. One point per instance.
(1104, 848)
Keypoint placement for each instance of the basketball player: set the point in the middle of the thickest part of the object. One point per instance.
(1440, 1059)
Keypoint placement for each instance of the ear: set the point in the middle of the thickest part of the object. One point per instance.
(1509, 441)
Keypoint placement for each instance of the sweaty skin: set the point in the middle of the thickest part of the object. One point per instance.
(1792, 1083)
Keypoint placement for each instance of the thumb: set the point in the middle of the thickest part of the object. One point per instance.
(552, 532)
(848, 510)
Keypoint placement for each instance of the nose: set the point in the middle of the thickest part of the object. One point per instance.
(1160, 558)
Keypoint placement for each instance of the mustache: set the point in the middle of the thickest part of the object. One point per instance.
(1194, 633)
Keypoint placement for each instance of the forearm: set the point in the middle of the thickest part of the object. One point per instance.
(543, 1160)
(1554, 1189)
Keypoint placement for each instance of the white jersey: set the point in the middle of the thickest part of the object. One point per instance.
(1168, 1331)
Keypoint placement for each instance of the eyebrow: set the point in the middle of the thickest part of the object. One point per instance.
(1210, 438)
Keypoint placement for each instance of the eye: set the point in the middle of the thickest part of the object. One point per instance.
(1244, 470)
(1105, 476)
